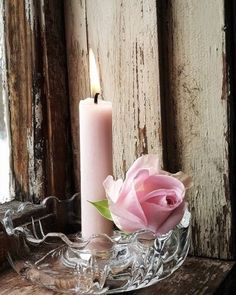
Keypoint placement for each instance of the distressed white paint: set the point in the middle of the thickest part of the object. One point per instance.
(123, 35)
(124, 38)
(5, 173)
(125, 45)
(38, 186)
(30, 13)
(35, 167)
(197, 106)
(30, 148)
(42, 25)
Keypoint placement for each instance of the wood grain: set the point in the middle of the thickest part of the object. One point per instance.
(57, 108)
(78, 70)
(125, 46)
(195, 277)
(19, 41)
(123, 35)
(196, 102)
(38, 98)
(191, 120)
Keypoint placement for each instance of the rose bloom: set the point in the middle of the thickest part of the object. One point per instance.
(149, 198)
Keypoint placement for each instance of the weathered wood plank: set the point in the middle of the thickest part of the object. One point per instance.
(58, 129)
(19, 41)
(123, 35)
(197, 276)
(195, 96)
(78, 70)
(197, 122)
(125, 45)
(38, 98)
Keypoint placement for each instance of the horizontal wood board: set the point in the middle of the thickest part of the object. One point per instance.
(196, 277)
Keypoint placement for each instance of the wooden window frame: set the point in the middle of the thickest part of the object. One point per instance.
(36, 87)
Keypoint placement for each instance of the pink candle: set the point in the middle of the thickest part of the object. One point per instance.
(96, 162)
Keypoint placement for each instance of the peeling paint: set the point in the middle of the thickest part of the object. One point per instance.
(31, 174)
(39, 146)
(38, 111)
(42, 26)
(30, 13)
(143, 141)
(10, 194)
(224, 94)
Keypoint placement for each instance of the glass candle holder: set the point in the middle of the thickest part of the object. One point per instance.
(67, 263)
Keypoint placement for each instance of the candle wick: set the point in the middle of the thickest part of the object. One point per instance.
(96, 98)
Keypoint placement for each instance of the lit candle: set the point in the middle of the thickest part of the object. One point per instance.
(95, 155)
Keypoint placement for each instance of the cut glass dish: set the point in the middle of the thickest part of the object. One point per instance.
(99, 265)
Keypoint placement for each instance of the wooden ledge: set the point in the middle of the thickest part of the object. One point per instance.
(196, 276)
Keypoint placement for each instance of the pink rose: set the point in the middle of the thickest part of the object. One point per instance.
(149, 198)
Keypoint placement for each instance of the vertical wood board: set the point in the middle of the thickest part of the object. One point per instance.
(123, 36)
(57, 133)
(19, 43)
(38, 98)
(196, 116)
(125, 46)
(78, 70)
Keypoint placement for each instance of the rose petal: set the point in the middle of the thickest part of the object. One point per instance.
(184, 178)
(112, 188)
(129, 201)
(165, 182)
(160, 197)
(125, 220)
(149, 161)
(155, 216)
(138, 181)
(181, 176)
(173, 219)
(160, 221)
(143, 167)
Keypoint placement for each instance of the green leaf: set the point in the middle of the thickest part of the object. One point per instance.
(103, 208)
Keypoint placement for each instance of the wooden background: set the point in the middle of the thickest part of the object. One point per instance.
(36, 86)
(168, 67)
(165, 66)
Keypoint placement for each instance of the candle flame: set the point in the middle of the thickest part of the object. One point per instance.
(94, 75)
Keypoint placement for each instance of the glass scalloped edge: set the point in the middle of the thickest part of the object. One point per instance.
(99, 265)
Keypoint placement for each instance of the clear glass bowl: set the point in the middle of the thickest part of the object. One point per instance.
(99, 265)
